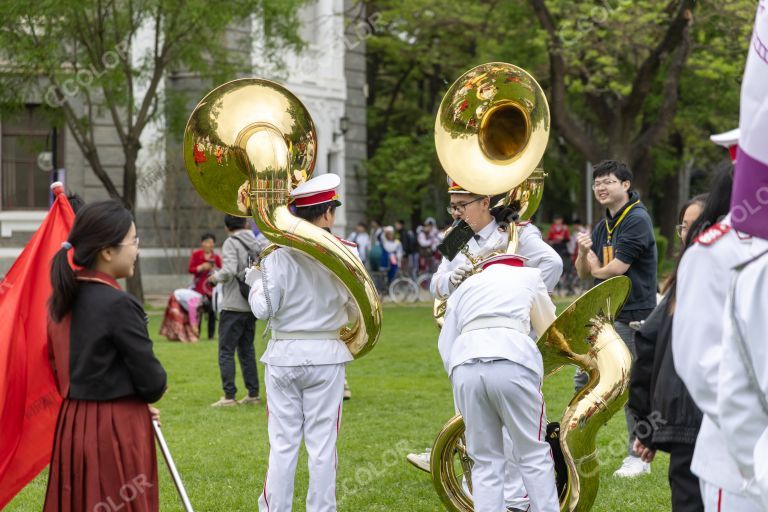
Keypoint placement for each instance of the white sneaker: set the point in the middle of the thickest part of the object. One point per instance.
(632, 467)
(420, 460)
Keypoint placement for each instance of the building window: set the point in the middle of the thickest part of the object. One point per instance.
(25, 135)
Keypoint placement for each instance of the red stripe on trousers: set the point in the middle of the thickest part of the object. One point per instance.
(265, 492)
(267, 475)
(338, 420)
(541, 416)
(719, 499)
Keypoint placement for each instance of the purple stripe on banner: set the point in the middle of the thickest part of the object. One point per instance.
(749, 200)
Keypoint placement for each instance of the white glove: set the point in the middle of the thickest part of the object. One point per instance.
(252, 275)
(459, 274)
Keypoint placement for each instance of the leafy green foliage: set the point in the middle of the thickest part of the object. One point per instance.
(421, 47)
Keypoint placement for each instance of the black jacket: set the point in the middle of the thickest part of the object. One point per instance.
(110, 352)
(634, 244)
(658, 398)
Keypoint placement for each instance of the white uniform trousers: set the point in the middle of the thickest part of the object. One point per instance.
(302, 401)
(496, 394)
(515, 495)
(719, 500)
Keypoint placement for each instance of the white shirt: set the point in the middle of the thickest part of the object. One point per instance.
(427, 239)
(697, 349)
(539, 253)
(499, 291)
(742, 418)
(303, 296)
(393, 247)
(363, 242)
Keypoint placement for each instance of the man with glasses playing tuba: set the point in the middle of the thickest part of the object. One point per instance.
(489, 236)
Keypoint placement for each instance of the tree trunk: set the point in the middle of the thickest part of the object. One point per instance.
(131, 151)
(668, 212)
(134, 285)
(642, 168)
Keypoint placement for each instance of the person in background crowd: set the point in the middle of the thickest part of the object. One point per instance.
(202, 264)
(428, 240)
(410, 247)
(573, 243)
(558, 236)
(104, 367)
(666, 416)
(238, 325)
(622, 244)
(376, 255)
(360, 237)
(393, 253)
(261, 241)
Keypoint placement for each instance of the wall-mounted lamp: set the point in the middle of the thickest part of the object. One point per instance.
(343, 127)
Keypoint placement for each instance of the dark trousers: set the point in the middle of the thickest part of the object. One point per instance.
(686, 494)
(208, 309)
(581, 378)
(236, 333)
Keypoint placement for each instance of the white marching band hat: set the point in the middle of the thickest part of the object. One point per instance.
(318, 190)
(729, 140)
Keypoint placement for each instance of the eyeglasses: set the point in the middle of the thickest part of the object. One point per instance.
(134, 242)
(604, 183)
(460, 207)
(680, 228)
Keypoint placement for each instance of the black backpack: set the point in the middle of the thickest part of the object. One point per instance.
(244, 288)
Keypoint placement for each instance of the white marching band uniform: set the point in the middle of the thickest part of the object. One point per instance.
(702, 341)
(496, 372)
(697, 349)
(743, 418)
(742, 395)
(304, 376)
(538, 254)
(306, 306)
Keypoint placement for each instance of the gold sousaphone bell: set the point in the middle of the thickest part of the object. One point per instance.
(247, 144)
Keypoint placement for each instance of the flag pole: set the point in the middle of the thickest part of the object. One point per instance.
(172, 467)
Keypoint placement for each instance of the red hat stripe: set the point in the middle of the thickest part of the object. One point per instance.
(510, 260)
(313, 199)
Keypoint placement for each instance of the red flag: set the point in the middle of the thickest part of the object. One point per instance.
(29, 400)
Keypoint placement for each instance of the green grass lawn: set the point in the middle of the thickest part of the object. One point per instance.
(401, 397)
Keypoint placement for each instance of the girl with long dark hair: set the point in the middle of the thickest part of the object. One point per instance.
(106, 371)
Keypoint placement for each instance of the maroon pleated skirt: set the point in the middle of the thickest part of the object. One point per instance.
(103, 458)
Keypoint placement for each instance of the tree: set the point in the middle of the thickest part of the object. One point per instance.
(616, 70)
(643, 81)
(419, 48)
(81, 57)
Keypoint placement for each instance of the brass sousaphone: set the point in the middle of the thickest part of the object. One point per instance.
(490, 134)
(247, 144)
